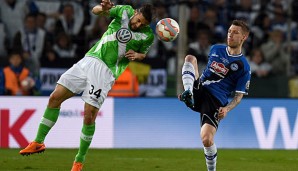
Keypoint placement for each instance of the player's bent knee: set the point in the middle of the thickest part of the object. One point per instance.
(90, 109)
(90, 114)
(207, 141)
(54, 100)
(89, 119)
(190, 58)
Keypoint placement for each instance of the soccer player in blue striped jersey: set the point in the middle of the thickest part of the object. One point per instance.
(227, 72)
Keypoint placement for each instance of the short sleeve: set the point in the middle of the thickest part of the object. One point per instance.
(116, 11)
(211, 50)
(243, 82)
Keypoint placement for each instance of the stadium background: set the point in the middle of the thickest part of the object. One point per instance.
(265, 119)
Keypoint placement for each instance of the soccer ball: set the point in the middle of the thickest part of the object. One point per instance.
(27, 83)
(167, 29)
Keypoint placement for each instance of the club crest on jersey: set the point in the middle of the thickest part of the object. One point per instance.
(123, 35)
(219, 67)
(234, 67)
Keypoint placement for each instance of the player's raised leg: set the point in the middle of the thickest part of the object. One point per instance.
(90, 113)
(189, 75)
(210, 150)
(48, 120)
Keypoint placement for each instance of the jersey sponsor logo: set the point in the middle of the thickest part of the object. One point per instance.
(123, 35)
(219, 67)
(234, 67)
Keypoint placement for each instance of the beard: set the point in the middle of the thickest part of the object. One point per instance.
(132, 26)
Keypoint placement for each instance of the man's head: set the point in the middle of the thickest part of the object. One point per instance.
(41, 19)
(142, 17)
(30, 22)
(237, 33)
(15, 59)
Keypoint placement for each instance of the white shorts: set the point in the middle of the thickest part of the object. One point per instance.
(90, 76)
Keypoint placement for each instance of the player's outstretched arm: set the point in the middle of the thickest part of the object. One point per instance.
(132, 55)
(224, 110)
(103, 8)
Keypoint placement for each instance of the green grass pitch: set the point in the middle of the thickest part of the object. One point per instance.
(151, 160)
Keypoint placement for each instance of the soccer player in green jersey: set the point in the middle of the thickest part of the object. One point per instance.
(127, 38)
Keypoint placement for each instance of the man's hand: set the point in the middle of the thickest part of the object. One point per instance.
(103, 8)
(132, 55)
(106, 5)
(222, 112)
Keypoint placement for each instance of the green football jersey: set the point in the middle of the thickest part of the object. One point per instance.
(119, 38)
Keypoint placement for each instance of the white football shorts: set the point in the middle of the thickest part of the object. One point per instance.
(90, 76)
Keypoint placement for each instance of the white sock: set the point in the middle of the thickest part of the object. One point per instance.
(211, 157)
(188, 76)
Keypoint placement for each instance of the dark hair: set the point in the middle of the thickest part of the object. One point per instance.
(15, 53)
(147, 10)
(29, 15)
(41, 14)
(241, 24)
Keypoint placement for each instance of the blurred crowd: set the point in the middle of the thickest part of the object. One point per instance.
(57, 33)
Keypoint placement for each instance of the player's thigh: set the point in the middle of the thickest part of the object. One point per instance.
(74, 79)
(208, 107)
(60, 94)
(208, 130)
(100, 80)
